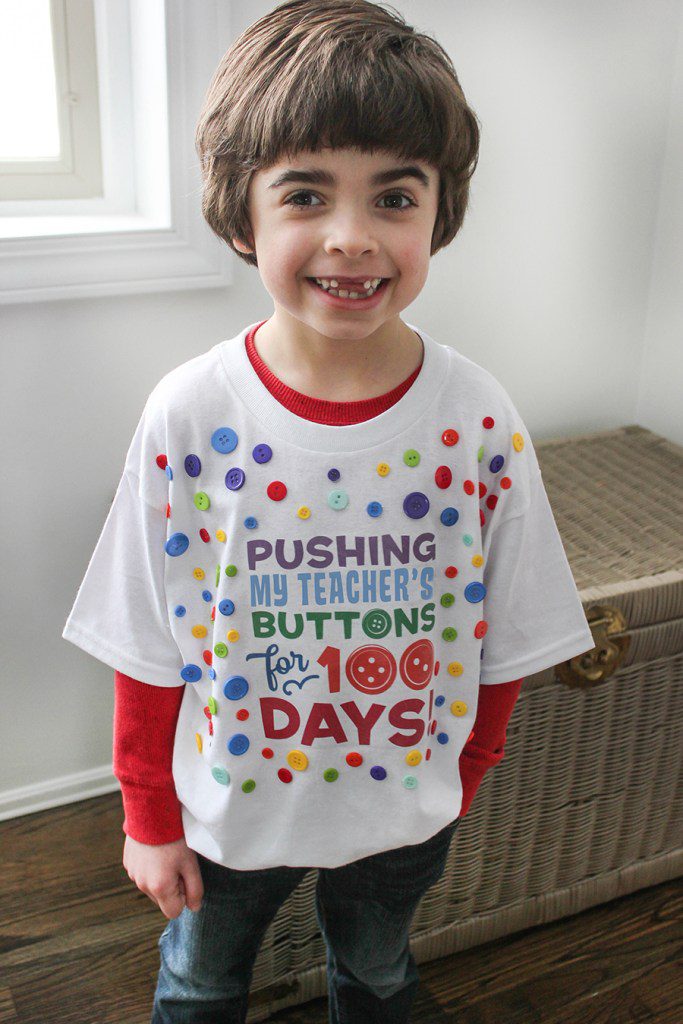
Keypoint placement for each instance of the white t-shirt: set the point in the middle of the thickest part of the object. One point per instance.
(331, 596)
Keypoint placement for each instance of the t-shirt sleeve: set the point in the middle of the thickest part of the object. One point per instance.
(120, 614)
(532, 608)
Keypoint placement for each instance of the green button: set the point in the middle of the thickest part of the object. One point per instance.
(231, 570)
(248, 785)
(330, 774)
(449, 633)
(213, 706)
(376, 623)
(411, 457)
(480, 454)
(447, 600)
(218, 574)
(409, 781)
(201, 500)
(221, 650)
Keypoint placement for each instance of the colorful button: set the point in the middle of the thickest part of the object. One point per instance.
(330, 775)
(377, 772)
(248, 786)
(450, 571)
(481, 629)
(226, 606)
(517, 442)
(180, 610)
(354, 759)
(198, 741)
(409, 781)
(413, 758)
(176, 544)
(198, 630)
(304, 512)
(191, 673)
(238, 744)
(234, 478)
(198, 573)
(488, 422)
(213, 706)
(458, 708)
(193, 466)
(477, 561)
(333, 474)
(221, 650)
(205, 535)
(337, 500)
(475, 592)
(447, 600)
(276, 490)
(221, 536)
(207, 595)
(235, 687)
(297, 759)
(411, 457)
(233, 636)
(251, 523)
(221, 774)
(374, 509)
(455, 668)
(224, 440)
(382, 468)
(449, 633)
(202, 501)
(450, 437)
(496, 463)
(449, 516)
(443, 477)
(231, 570)
(262, 453)
(416, 505)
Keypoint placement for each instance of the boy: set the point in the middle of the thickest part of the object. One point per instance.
(331, 535)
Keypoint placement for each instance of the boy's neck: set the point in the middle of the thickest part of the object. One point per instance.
(339, 371)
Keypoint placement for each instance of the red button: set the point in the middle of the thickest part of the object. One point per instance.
(480, 629)
(205, 535)
(162, 461)
(506, 483)
(284, 775)
(276, 490)
(488, 422)
(443, 477)
(468, 487)
(354, 759)
(450, 437)
(451, 571)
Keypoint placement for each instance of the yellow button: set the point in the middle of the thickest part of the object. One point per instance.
(233, 635)
(199, 741)
(198, 573)
(304, 512)
(382, 468)
(459, 708)
(478, 560)
(517, 442)
(297, 759)
(414, 757)
(455, 668)
(220, 535)
(199, 630)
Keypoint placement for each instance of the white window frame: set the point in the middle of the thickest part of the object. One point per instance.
(146, 234)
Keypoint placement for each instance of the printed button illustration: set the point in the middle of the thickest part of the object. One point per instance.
(262, 453)
(376, 623)
(224, 440)
(234, 478)
(371, 669)
(416, 505)
(176, 544)
(417, 664)
(193, 466)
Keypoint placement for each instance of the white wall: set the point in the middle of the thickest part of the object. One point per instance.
(564, 282)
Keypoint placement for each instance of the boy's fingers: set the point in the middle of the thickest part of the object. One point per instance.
(194, 885)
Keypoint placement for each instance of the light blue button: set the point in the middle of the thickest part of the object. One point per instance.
(224, 440)
(337, 499)
(375, 509)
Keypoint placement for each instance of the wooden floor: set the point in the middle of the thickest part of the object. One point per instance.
(78, 945)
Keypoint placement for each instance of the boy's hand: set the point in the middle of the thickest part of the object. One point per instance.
(169, 874)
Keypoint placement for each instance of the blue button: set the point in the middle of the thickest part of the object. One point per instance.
(176, 544)
(333, 474)
(440, 700)
(212, 673)
(475, 592)
(169, 472)
(375, 509)
(193, 466)
(226, 606)
(191, 673)
(234, 478)
(262, 453)
(442, 738)
(238, 744)
(416, 505)
(378, 772)
(235, 687)
(251, 523)
(224, 440)
(449, 516)
(206, 594)
(496, 463)
(180, 610)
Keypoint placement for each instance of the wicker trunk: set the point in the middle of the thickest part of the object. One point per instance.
(587, 804)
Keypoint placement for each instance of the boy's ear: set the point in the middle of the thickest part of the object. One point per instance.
(241, 247)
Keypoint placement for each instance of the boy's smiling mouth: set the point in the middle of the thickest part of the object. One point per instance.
(357, 291)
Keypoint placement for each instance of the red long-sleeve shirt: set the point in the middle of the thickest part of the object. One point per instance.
(145, 716)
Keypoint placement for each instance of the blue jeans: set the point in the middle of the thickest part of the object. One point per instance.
(364, 910)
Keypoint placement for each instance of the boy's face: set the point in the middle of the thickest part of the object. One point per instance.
(349, 227)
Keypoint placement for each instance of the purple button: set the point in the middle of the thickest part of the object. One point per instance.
(496, 463)
(416, 504)
(234, 478)
(193, 466)
(262, 453)
(333, 474)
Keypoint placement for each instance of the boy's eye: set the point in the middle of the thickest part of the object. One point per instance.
(389, 195)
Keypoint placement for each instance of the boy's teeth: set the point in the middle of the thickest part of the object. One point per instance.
(330, 284)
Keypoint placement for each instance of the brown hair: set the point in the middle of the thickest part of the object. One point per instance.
(340, 73)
